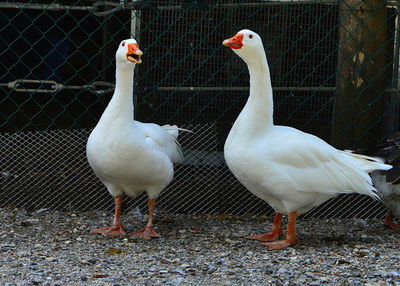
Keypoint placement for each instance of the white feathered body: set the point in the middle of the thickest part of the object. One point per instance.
(129, 156)
(134, 158)
(293, 170)
(289, 169)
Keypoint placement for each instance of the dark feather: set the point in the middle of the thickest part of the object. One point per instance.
(393, 175)
(390, 152)
(394, 156)
(394, 137)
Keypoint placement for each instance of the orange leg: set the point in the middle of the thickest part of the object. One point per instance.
(116, 228)
(148, 232)
(291, 238)
(389, 221)
(274, 234)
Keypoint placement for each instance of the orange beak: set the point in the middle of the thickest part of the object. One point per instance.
(134, 53)
(235, 42)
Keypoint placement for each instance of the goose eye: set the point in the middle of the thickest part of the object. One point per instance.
(123, 44)
(251, 36)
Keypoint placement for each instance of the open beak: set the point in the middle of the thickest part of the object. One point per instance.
(133, 54)
(235, 42)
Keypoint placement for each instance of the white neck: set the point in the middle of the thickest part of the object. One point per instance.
(257, 115)
(120, 107)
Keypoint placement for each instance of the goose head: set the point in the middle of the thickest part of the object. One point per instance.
(128, 53)
(247, 45)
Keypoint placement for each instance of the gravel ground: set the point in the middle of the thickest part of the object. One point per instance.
(55, 248)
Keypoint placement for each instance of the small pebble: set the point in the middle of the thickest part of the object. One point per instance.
(179, 271)
(211, 269)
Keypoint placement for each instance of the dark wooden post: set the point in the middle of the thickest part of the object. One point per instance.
(361, 74)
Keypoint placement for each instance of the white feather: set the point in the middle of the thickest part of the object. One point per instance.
(290, 169)
(129, 156)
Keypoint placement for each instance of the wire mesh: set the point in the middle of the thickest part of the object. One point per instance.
(60, 59)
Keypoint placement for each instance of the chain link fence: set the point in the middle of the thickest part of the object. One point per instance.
(334, 68)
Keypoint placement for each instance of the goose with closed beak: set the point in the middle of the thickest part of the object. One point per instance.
(291, 170)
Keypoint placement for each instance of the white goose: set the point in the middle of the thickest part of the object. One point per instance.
(291, 170)
(129, 156)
